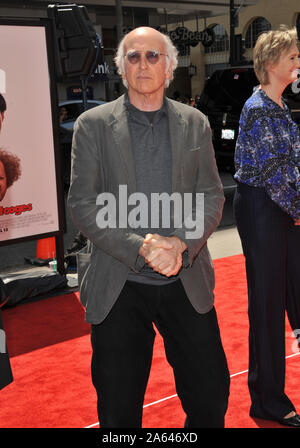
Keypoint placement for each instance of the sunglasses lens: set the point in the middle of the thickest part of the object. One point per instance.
(133, 57)
(152, 57)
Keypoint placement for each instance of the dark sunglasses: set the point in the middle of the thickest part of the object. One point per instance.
(152, 56)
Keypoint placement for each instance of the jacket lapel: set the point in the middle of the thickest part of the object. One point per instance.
(178, 129)
(121, 133)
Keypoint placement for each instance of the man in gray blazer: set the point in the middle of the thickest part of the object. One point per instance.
(146, 193)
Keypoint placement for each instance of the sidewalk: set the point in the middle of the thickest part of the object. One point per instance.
(224, 243)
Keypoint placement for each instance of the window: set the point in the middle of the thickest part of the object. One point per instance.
(256, 27)
(221, 42)
(211, 68)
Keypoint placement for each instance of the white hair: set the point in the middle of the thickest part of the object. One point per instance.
(171, 51)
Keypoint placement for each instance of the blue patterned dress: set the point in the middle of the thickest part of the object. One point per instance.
(268, 151)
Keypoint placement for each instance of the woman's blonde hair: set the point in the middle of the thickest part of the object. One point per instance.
(269, 47)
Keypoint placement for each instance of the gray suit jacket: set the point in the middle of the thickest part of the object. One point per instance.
(102, 159)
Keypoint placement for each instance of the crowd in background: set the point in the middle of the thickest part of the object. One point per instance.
(186, 99)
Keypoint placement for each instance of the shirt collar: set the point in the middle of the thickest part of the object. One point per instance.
(268, 100)
(137, 112)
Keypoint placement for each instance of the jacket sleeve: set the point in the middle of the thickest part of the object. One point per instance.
(280, 177)
(86, 184)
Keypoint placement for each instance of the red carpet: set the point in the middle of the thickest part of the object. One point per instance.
(50, 352)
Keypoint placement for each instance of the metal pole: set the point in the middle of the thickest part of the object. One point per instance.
(84, 91)
(232, 37)
(166, 18)
(119, 15)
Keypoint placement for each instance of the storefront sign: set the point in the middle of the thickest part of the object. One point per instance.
(102, 71)
(75, 93)
(183, 36)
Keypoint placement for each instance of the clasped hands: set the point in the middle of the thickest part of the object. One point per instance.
(163, 254)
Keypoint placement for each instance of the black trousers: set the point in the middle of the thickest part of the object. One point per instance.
(122, 355)
(271, 245)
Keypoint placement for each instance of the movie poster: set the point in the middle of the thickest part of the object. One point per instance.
(28, 196)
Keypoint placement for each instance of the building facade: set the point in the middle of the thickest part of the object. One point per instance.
(265, 15)
(196, 62)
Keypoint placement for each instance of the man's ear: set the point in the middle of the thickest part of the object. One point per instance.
(123, 74)
(169, 73)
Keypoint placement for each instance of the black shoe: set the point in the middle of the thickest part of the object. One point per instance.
(294, 421)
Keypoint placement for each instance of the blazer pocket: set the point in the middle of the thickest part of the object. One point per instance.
(195, 149)
(189, 167)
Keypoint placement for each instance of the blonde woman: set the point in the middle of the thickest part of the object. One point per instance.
(267, 210)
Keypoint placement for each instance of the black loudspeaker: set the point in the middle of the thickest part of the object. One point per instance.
(77, 47)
